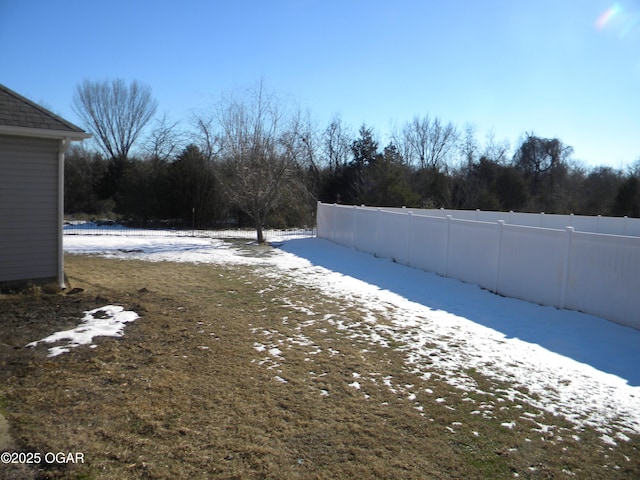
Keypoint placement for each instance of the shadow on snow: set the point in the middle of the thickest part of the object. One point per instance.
(604, 345)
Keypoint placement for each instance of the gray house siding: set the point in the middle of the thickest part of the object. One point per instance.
(29, 231)
(32, 144)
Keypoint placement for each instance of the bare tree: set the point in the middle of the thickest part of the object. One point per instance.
(115, 113)
(468, 147)
(495, 150)
(428, 143)
(255, 146)
(306, 143)
(336, 143)
(164, 140)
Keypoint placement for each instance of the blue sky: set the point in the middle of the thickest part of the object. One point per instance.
(557, 68)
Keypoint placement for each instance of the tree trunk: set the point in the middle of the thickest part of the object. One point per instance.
(259, 232)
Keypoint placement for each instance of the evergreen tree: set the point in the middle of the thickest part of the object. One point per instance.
(193, 187)
(365, 154)
(627, 200)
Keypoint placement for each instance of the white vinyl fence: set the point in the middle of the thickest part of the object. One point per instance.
(582, 223)
(566, 266)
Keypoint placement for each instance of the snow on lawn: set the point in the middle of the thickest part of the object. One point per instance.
(107, 321)
(115, 229)
(151, 248)
(159, 248)
(568, 363)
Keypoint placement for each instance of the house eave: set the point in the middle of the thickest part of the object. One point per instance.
(43, 133)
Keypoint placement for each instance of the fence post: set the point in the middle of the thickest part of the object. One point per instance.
(565, 267)
(354, 225)
(409, 238)
(446, 256)
(624, 225)
(335, 222)
(499, 256)
(318, 207)
(541, 219)
(378, 225)
(321, 230)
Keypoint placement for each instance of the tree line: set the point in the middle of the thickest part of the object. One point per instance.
(255, 159)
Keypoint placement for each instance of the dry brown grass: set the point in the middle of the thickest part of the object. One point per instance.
(185, 393)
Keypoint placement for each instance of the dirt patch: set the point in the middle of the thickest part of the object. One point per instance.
(227, 375)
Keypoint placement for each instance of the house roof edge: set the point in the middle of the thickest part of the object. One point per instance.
(43, 133)
(65, 125)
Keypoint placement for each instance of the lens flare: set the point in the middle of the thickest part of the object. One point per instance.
(607, 16)
(620, 19)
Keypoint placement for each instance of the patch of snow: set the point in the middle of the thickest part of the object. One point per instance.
(622, 437)
(107, 321)
(275, 352)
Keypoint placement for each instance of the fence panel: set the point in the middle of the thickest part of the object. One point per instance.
(559, 222)
(393, 237)
(462, 214)
(428, 243)
(609, 225)
(343, 225)
(523, 219)
(604, 277)
(365, 238)
(531, 264)
(431, 212)
(632, 227)
(473, 252)
(493, 217)
(583, 223)
(324, 221)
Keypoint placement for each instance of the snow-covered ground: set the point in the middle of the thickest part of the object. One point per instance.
(116, 229)
(568, 363)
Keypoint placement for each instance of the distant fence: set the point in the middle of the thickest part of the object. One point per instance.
(179, 229)
(582, 223)
(596, 273)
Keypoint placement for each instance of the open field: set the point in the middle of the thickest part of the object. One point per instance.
(228, 374)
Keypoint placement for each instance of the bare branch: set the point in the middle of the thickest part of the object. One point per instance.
(428, 143)
(114, 113)
(256, 147)
(164, 140)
